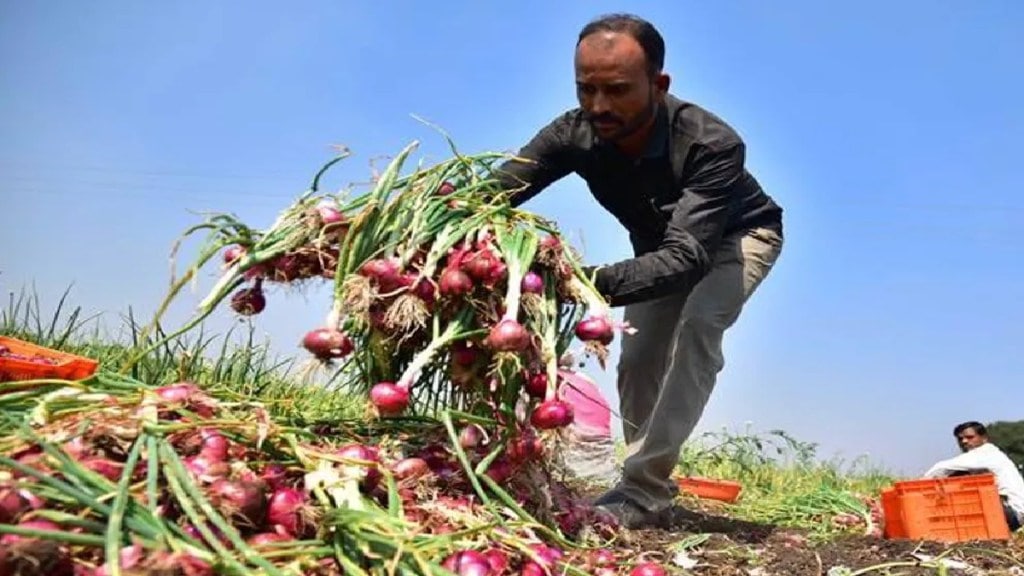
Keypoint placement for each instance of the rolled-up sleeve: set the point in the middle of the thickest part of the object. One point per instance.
(692, 236)
(546, 158)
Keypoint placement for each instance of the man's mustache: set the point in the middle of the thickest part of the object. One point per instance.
(603, 118)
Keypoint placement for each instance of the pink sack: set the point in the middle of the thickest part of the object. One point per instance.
(592, 414)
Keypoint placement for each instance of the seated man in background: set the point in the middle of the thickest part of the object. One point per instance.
(981, 456)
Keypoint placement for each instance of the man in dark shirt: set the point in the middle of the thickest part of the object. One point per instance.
(704, 236)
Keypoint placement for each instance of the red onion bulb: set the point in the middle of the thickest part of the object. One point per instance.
(389, 398)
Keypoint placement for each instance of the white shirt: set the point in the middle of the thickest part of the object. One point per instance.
(988, 456)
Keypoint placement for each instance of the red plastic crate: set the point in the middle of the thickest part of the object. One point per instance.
(724, 490)
(945, 509)
(66, 366)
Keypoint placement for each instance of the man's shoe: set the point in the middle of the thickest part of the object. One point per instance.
(626, 513)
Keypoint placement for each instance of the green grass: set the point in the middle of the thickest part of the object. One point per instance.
(232, 364)
(784, 482)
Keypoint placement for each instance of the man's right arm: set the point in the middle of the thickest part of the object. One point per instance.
(966, 462)
(547, 157)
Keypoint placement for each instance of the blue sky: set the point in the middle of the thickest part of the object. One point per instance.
(890, 133)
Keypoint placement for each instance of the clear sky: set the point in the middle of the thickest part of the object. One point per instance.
(890, 133)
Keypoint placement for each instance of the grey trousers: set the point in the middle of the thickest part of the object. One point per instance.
(668, 368)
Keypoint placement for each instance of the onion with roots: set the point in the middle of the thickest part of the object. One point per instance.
(327, 343)
(36, 557)
(242, 501)
(483, 266)
(596, 329)
(249, 301)
(286, 268)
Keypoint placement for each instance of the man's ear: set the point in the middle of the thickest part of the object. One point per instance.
(663, 81)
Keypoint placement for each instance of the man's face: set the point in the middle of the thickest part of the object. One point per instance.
(969, 439)
(614, 87)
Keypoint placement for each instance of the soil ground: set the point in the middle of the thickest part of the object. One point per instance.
(736, 547)
(718, 545)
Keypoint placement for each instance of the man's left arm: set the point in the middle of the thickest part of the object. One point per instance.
(691, 239)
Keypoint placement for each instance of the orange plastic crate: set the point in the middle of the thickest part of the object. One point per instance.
(66, 366)
(945, 509)
(713, 489)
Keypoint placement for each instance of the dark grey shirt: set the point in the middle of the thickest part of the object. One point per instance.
(678, 200)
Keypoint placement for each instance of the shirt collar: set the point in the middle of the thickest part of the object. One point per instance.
(657, 145)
